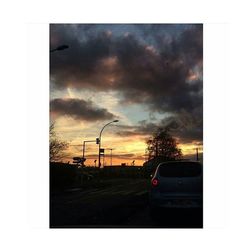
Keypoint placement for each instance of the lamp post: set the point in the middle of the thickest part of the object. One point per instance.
(99, 157)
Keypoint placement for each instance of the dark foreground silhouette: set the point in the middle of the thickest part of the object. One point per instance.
(119, 203)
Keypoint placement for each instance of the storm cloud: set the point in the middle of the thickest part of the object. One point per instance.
(185, 127)
(79, 109)
(157, 65)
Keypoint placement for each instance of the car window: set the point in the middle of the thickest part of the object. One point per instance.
(180, 169)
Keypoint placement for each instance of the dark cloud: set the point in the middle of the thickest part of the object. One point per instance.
(142, 129)
(78, 66)
(79, 109)
(186, 127)
(159, 66)
(153, 73)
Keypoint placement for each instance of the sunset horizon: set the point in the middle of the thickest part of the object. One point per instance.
(147, 76)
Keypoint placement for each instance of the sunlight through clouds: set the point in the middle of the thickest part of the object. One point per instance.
(145, 76)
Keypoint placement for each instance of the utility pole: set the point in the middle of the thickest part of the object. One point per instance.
(197, 155)
(83, 150)
(110, 155)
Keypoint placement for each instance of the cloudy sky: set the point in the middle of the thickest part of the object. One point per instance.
(143, 75)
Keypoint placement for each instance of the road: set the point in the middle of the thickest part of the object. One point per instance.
(120, 203)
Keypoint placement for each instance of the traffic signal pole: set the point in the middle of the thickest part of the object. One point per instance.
(83, 150)
(99, 153)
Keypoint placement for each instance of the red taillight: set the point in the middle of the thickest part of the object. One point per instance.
(155, 182)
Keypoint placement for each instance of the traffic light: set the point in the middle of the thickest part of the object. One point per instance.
(97, 140)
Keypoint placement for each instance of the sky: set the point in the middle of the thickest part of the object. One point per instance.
(144, 75)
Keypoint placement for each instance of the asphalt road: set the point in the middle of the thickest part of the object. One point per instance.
(120, 203)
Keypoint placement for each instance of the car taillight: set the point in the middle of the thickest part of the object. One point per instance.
(155, 182)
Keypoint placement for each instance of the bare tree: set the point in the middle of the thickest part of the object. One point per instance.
(56, 146)
(163, 145)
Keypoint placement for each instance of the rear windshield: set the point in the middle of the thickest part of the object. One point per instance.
(180, 169)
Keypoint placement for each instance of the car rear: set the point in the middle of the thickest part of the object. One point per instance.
(177, 184)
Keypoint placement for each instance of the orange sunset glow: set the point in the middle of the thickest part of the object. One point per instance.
(145, 76)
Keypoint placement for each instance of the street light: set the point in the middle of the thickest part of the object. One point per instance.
(61, 47)
(99, 158)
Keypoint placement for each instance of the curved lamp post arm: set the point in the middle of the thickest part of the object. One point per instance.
(99, 165)
(103, 129)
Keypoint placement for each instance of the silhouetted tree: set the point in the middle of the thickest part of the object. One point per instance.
(163, 145)
(56, 146)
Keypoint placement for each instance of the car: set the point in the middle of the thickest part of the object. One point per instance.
(177, 185)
